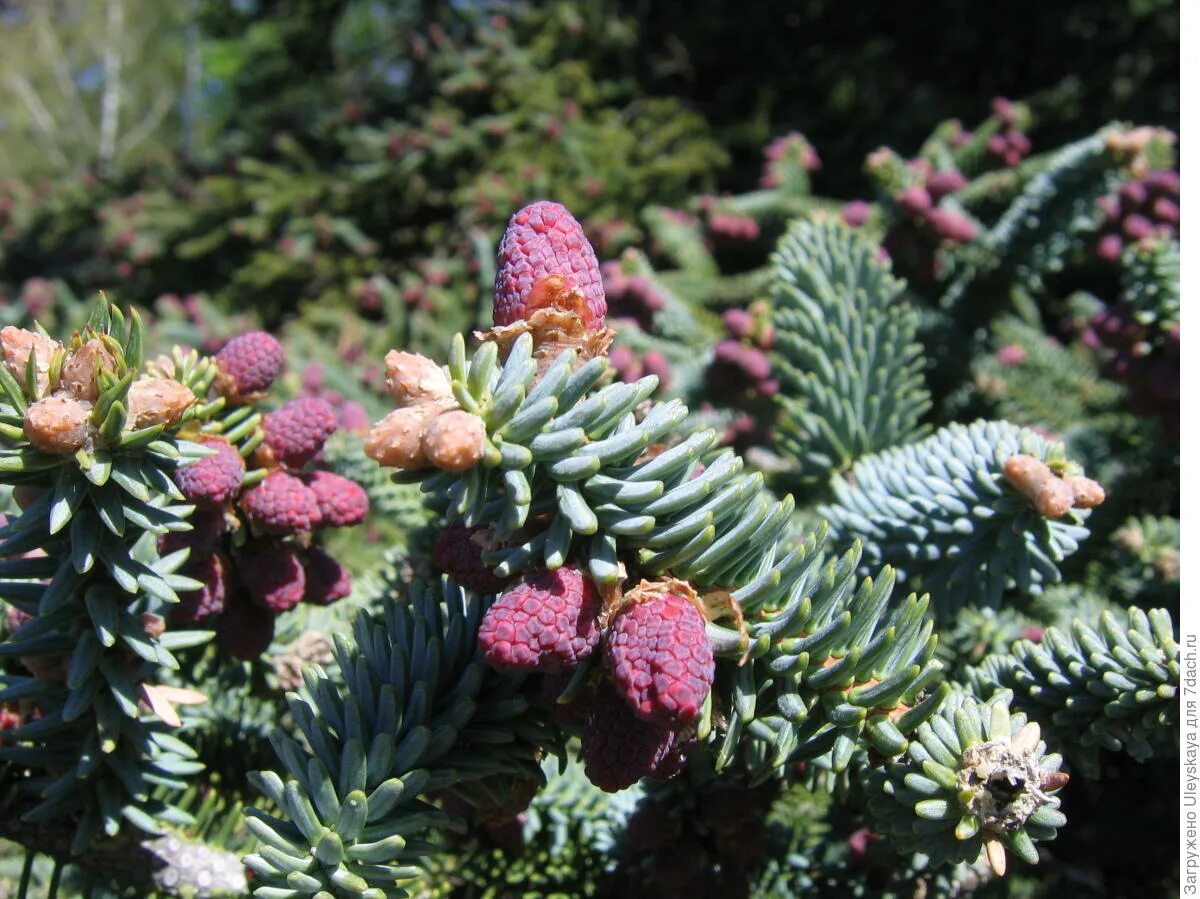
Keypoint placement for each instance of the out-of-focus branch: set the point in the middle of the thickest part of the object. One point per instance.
(110, 106)
(169, 864)
(43, 121)
(162, 105)
(52, 50)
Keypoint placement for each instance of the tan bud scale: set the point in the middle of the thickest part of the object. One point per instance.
(413, 380)
(58, 424)
(1087, 493)
(18, 344)
(453, 441)
(396, 440)
(157, 401)
(1049, 494)
(78, 375)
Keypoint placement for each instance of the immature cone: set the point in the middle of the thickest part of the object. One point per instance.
(282, 504)
(203, 605)
(58, 424)
(295, 432)
(213, 480)
(453, 440)
(414, 380)
(247, 365)
(207, 527)
(157, 401)
(342, 501)
(619, 749)
(952, 226)
(544, 239)
(661, 659)
(273, 575)
(246, 629)
(459, 551)
(78, 375)
(545, 624)
(18, 344)
(326, 580)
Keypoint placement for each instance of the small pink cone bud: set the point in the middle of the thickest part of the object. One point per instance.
(453, 441)
(915, 200)
(1010, 355)
(18, 344)
(58, 424)
(157, 401)
(247, 365)
(413, 379)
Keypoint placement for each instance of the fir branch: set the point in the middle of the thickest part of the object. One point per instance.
(418, 712)
(847, 356)
(942, 512)
(1111, 686)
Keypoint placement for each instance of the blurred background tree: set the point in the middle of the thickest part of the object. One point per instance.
(94, 85)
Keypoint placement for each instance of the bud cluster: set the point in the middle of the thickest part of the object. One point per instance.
(1053, 495)
(251, 544)
(1009, 145)
(1140, 209)
(631, 296)
(65, 385)
(640, 704)
(428, 427)
(788, 151)
(1143, 357)
(920, 203)
(740, 374)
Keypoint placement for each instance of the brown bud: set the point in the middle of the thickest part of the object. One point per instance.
(18, 344)
(58, 424)
(79, 371)
(1055, 780)
(49, 668)
(1086, 492)
(1048, 493)
(396, 441)
(310, 648)
(153, 625)
(453, 441)
(157, 401)
(413, 380)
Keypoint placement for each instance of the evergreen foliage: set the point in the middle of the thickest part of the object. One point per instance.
(1111, 686)
(942, 513)
(846, 356)
(572, 460)
(414, 710)
(848, 670)
(976, 778)
(101, 741)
